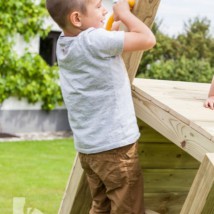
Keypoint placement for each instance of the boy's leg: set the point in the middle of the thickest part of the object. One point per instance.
(126, 198)
(100, 202)
(119, 170)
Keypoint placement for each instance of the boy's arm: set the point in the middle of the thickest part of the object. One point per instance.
(116, 26)
(209, 103)
(139, 37)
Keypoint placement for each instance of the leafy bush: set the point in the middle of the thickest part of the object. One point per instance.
(31, 77)
(27, 76)
(183, 69)
(187, 57)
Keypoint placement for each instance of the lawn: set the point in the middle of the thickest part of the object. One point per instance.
(37, 171)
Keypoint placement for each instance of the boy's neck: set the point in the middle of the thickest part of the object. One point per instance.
(71, 32)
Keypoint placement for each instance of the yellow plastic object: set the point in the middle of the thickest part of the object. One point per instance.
(111, 18)
(131, 3)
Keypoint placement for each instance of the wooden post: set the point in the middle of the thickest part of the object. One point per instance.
(200, 199)
(77, 185)
(146, 11)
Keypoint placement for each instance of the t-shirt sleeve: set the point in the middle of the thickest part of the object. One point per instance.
(103, 43)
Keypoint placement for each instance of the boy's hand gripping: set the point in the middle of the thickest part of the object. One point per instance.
(112, 18)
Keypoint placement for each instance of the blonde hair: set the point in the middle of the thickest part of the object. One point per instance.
(60, 9)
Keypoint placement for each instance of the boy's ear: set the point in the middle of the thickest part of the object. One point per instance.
(75, 19)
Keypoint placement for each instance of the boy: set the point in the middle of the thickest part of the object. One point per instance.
(209, 103)
(97, 95)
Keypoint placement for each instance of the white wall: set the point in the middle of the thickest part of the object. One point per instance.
(21, 45)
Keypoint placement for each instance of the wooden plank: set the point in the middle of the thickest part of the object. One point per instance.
(165, 203)
(146, 11)
(201, 125)
(83, 200)
(178, 132)
(72, 188)
(168, 180)
(148, 134)
(165, 156)
(201, 195)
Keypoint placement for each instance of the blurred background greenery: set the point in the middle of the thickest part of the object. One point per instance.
(189, 56)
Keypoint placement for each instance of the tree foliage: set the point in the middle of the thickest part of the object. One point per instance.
(188, 56)
(28, 75)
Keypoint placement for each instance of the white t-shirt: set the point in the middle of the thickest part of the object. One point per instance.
(96, 90)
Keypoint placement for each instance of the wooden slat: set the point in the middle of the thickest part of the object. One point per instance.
(83, 200)
(168, 180)
(201, 196)
(148, 134)
(165, 203)
(207, 124)
(165, 156)
(72, 188)
(146, 11)
(171, 127)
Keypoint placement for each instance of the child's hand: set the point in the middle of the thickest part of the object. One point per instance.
(209, 103)
(120, 8)
(115, 26)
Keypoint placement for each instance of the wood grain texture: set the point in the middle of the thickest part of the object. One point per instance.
(201, 195)
(183, 100)
(178, 132)
(146, 11)
(165, 156)
(153, 107)
(168, 180)
(165, 203)
(76, 183)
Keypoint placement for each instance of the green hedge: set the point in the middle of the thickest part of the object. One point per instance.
(28, 76)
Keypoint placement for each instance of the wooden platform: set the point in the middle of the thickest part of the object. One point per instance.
(175, 109)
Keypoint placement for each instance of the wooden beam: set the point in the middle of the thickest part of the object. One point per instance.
(146, 11)
(76, 181)
(201, 195)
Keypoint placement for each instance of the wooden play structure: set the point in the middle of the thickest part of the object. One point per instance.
(176, 147)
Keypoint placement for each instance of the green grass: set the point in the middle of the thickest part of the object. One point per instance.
(37, 171)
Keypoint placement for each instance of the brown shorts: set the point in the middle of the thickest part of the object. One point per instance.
(115, 181)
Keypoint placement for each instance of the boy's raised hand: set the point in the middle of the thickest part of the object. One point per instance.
(138, 36)
(120, 9)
